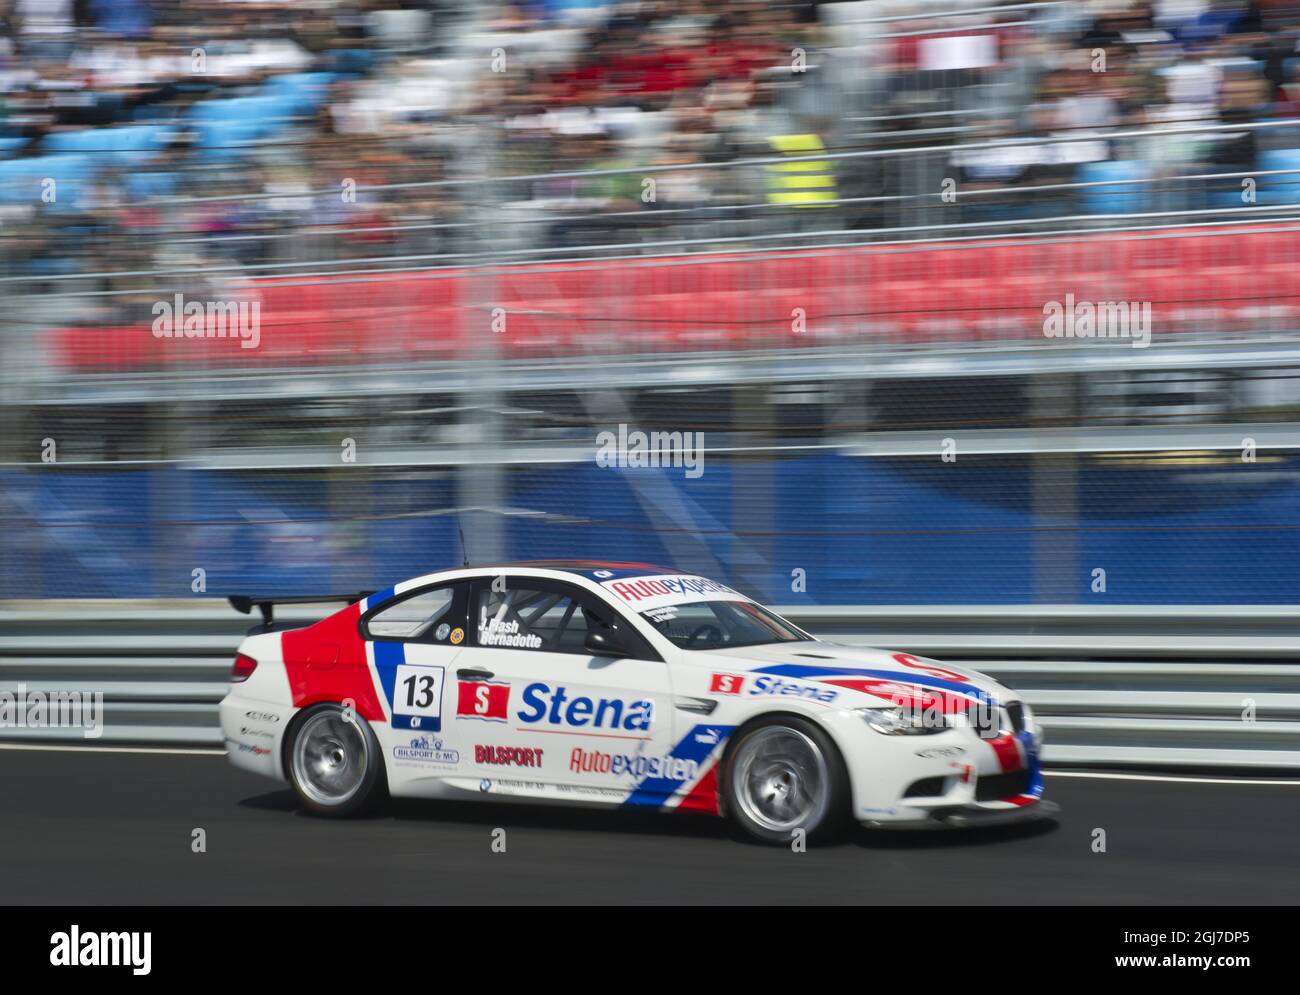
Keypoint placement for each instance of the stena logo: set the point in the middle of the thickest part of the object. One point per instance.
(553, 706)
(774, 686)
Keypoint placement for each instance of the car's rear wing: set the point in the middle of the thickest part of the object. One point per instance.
(245, 603)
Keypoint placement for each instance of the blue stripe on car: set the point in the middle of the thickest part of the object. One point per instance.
(656, 790)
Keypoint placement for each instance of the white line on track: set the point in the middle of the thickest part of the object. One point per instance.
(192, 751)
(1096, 775)
(1174, 778)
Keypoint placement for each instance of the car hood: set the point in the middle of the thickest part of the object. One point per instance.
(873, 673)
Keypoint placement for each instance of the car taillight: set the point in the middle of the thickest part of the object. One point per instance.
(242, 669)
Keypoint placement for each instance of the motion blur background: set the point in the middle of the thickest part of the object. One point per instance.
(821, 234)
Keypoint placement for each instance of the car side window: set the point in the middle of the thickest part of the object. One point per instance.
(679, 622)
(429, 616)
(543, 616)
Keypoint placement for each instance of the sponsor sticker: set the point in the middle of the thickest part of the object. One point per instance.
(426, 750)
(591, 791)
(638, 766)
(485, 700)
(257, 751)
(553, 705)
(941, 752)
(457, 636)
(770, 686)
(931, 668)
(508, 756)
(644, 593)
(726, 683)
(504, 786)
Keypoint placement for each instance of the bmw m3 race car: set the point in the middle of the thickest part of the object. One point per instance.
(621, 685)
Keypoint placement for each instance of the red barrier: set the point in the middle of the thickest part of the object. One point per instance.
(1237, 280)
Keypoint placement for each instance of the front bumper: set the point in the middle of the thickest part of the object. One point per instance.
(949, 779)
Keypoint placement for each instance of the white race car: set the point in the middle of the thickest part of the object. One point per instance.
(619, 684)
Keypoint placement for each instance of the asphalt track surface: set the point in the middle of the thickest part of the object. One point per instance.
(87, 828)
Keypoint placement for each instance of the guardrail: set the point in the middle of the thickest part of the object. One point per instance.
(1131, 686)
(1144, 687)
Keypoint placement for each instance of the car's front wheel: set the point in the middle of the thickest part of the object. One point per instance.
(335, 765)
(784, 774)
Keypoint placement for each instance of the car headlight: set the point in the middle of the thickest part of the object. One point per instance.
(904, 722)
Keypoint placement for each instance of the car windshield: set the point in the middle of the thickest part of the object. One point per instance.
(712, 625)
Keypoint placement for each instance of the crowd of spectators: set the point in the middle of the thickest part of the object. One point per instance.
(621, 121)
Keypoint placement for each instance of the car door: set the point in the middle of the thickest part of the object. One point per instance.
(538, 713)
(412, 640)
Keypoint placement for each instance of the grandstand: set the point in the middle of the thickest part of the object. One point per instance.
(823, 234)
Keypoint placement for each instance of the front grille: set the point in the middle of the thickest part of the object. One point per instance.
(1016, 713)
(998, 787)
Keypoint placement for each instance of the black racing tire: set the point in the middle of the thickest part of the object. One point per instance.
(783, 773)
(333, 760)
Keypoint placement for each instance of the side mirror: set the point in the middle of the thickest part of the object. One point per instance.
(604, 642)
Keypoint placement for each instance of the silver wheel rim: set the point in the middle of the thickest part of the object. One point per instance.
(779, 779)
(331, 755)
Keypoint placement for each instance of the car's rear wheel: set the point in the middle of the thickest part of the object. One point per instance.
(784, 774)
(335, 765)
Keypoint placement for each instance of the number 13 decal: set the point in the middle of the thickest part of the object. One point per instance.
(417, 697)
(426, 685)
